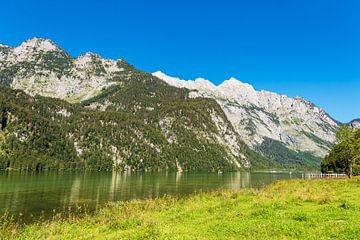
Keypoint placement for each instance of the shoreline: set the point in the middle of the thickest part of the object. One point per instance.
(303, 209)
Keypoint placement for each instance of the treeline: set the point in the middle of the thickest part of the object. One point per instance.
(344, 157)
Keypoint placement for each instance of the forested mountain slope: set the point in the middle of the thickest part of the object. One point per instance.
(135, 121)
(60, 112)
(287, 130)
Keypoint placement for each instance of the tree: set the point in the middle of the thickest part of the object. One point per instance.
(344, 155)
(351, 141)
(344, 133)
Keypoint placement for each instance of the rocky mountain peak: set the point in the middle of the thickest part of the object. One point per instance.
(87, 58)
(37, 44)
(261, 115)
(39, 66)
(90, 55)
(197, 84)
(354, 124)
(34, 50)
(236, 89)
(235, 83)
(205, 84)
(160, 74)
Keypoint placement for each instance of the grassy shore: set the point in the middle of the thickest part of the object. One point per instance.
(296, 209)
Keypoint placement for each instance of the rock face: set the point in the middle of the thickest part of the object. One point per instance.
(38, 66)
(260, 115)
(354, 124)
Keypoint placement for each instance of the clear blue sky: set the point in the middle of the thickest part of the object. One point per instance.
(309, 48)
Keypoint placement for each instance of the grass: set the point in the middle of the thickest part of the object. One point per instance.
(295, 209)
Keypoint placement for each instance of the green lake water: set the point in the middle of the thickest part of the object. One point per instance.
(30, 196)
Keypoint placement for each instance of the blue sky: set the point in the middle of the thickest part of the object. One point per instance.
(308, 48)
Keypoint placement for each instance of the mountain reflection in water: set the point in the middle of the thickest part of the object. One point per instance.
(40, 194)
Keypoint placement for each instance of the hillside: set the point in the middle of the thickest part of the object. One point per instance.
(134, 122)
(95, 113)
(287, 130)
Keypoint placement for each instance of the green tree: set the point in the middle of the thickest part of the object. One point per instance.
(344, 133)
(345, 155)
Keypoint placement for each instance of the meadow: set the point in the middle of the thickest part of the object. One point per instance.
(291, 209)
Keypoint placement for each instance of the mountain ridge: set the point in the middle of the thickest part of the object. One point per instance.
(39, 66)
(135, 121)
(197, 125)
(354, 124)
(236, 96)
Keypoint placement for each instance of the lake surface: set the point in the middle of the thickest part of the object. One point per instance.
(29, 196)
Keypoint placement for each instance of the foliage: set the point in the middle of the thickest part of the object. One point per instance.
(286, 158)
(344, 133)
(344, 156)
(318, 140)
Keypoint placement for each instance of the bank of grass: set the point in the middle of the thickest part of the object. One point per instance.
(296, 209)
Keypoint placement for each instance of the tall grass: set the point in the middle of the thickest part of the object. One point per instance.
(295, 209)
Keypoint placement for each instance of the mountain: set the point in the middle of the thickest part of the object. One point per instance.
(38, 66)
(61, 112)
(354, 124)
(58, 112)
(274, 125)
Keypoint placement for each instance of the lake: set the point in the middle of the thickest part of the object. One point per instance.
(29, 195)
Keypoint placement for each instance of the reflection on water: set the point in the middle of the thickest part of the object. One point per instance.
(41, 193)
